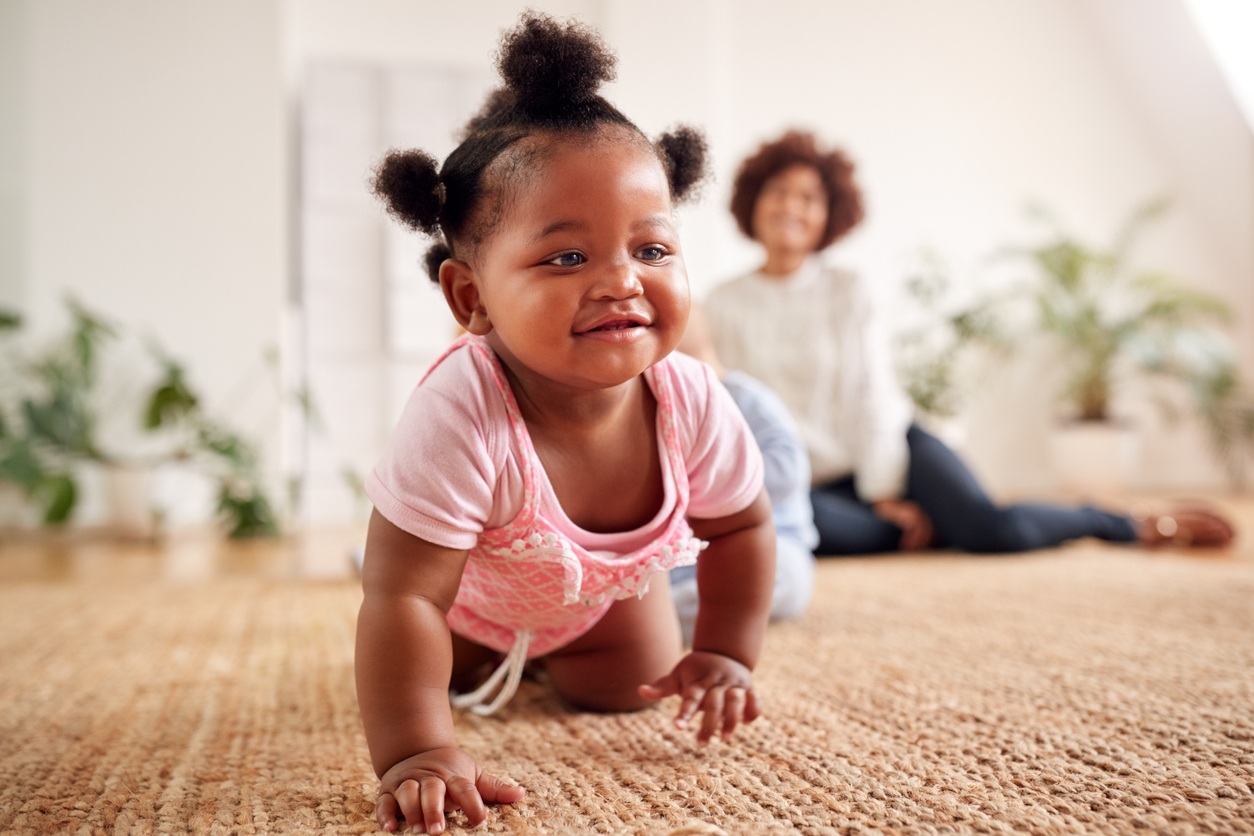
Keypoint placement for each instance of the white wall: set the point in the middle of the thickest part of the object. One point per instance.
(13, 64)
(155, 181)
(403, 31)
(1194, 123)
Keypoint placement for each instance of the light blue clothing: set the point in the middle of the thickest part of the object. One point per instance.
(787, 464)
(787, 476)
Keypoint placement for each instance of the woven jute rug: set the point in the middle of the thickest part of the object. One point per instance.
(1087, 690)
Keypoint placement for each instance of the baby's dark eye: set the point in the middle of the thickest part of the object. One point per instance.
(567, 260)
(651, 253)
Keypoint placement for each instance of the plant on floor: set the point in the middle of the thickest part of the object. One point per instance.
(1114, 323)
(941, 331)
(50, 414)
(47, 423)
(173, 408)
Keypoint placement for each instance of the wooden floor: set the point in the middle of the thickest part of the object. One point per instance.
(315, 554)
(188, 557)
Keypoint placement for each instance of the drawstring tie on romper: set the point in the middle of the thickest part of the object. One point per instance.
(510, 670)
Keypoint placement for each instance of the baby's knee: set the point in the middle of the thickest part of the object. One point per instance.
(606, 698)
(608, 681)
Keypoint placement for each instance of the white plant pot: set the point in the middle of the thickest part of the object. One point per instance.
(132, 514)
(16, 509)
(1096, 457)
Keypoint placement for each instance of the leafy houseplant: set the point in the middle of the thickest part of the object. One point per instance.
(175, 409)
(47, 423)
(49, 419)
(943, 330)
(1113, 323)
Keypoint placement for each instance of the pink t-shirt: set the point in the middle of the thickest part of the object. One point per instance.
(452, 468)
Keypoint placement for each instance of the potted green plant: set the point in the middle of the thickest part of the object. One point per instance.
(940, 332)
(49, 429)
(174, 409)
(47, 422)
(1112, 324)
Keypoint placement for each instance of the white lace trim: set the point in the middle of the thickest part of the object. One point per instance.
(549, 548)
(554, 548)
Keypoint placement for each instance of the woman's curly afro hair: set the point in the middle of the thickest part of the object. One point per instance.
(844, 198)
(551, 73)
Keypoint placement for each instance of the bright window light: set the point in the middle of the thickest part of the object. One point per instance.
(1227, 26)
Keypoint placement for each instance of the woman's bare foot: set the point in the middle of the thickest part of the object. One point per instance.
(1184, 526)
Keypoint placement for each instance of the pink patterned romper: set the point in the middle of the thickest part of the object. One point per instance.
(527, 589)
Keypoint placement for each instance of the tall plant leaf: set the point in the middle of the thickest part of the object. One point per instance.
(171, 400)
(60, 495)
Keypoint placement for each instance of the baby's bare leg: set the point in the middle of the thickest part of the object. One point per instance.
(638, 641)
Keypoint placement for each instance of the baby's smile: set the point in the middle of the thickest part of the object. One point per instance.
(616, 330)
(617, 325)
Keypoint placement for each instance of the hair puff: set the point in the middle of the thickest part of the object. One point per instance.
(684, 152)
(547, 64)
(409, 184)
(436, 256)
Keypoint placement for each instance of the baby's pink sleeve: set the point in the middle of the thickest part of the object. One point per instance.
(437, 476)
(724, 463)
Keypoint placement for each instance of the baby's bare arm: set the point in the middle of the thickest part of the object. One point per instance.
(404, 660)
(735, 578)
(404, 654)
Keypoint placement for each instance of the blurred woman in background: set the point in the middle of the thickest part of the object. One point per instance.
(810, 332)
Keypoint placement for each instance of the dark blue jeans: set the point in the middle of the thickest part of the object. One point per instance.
(961, 513)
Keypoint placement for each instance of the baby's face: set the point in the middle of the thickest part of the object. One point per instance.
(583, 280)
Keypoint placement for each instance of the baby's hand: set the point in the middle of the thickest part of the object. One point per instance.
(712, 683)
(422, 787)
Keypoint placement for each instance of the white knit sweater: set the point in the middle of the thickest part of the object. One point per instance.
(814, 338)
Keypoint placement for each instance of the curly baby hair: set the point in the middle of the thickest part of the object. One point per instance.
(844, 198)
(552, 72)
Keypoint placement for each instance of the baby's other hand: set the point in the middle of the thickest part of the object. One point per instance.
(422, 787)
(716, 685)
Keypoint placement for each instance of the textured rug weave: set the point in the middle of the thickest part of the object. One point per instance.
(1089, 690)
